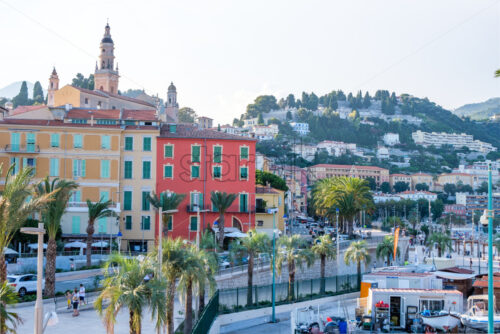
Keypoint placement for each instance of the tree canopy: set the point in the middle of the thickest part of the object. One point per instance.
(276, 182)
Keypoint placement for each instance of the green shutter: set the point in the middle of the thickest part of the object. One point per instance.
(195, 153)
(243, 172)
(78, 196)
(195, 171)
(15, 141)
(54, 167)
(217, 154)
(244, 152)
(243, 202)
(77, 141)
(169, 151)
(105, 142)
(172, 128)
(146, 169)
(75, 225)
(146, 144)
(30, 142)
(83, 167)
(54, 140)
(167, 171)
(129, 143)
(16, 166)
(217, 172)
(75, 168)
(128, 170)
(145, 201)
(127, 200)
(170, 224)
(104, 195)
(104, 169)
(146, 222)
(128, 222)
(101, 225)
(193, 223)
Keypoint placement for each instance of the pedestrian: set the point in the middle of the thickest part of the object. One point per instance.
(470, 263)
(69, 296)
(76, 299)
(82, 294)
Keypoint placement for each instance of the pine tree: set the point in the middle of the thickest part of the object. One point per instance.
(260, 119)
(366, 100)
(21, 99)
(37, 93)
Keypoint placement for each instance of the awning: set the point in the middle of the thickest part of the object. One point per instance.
(35, 246)
(100, 244)
(235, 235)
(7, 250)
(75, 244)
(454, 276)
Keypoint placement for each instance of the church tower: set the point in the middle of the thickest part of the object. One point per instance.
(106, 75)
(171, 106)
(53, 87)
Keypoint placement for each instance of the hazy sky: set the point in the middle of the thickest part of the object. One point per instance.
(222, 54)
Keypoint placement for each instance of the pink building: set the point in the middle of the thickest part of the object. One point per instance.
(321, 171)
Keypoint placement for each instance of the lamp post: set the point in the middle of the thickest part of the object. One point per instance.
(337, 238)
(40, 231)
(490, 254)
(273, 315)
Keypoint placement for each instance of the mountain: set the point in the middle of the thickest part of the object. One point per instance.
(480, 111)
(12, 89)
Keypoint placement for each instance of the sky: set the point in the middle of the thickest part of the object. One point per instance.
(223, 54)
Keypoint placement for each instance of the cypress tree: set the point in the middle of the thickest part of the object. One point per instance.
(37, 93)
(21, 99)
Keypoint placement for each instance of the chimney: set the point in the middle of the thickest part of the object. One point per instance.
(68, 107)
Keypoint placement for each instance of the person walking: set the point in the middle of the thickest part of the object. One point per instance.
(470, 263)
(82, 294)
(76, 299)
(69, 296)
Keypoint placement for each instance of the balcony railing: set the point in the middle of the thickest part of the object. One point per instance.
(260, 209)
(83, 205)
(194, 208)
(30, 148)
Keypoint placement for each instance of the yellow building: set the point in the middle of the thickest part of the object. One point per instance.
(422, 178)
(395, 178)
(268, 198)
(455, 178)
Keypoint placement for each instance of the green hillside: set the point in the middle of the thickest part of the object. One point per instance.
(480, 111)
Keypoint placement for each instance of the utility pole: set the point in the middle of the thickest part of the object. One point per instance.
(337, 239)
(491, 306)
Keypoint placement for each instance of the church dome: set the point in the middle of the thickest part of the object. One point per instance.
(107, 40)
(172, 88)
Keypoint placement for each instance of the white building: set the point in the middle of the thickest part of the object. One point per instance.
(301, 128)
(416, 195)
(456, 140)
(479, 172)
(265, 132)
(307, 152)
(336, 148)
(382, 153)
(382, 198)
(248, 123)
(391, 139)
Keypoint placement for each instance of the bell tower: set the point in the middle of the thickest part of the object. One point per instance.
(171, 106)
(53, 87)
(106, 74)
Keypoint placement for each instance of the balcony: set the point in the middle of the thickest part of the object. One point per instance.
(194, 208)
(82, 207)
(260, 209)
(30, 148)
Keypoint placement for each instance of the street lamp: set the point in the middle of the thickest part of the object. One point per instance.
(40, 231)
(337, 239)
(274, 211)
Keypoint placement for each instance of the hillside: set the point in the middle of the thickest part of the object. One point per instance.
(480, 111)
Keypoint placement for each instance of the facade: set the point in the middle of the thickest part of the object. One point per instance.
(479, 173)
(391, 139)
(296, 181)
(336, 148)
(456, 209)
(307, 152)
(383, 153)
(455, 178)
(477, 203)
(205, 122)
(265, 132)
(416, 195)
(248, 123)
(382, 198)
(322, 171)
(267, 198)
(422, 178)
(195, 162)
(395, 178)
(301, 128)
(456, 140)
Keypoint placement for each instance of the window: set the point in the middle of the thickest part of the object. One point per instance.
(195, 153)
(30, 142)
(128, 222)
(77, 141)
(15, 140)
(75, 225)
(146, 144)
(172, 128)
(17, 163)
(170, 224)
(79, 167)
(105, 142)
(127, 200)
(196, 199)
(104, 195)
(129, 143)
(76, 196)
(431, 305)
(169, 151)
(79, 121)
(193, 223)
(243, 152)
(30, 162)
(217, 171)
(146, 223)
(106, 121)
(167, 171)
(54, 140)
(145, 201)
(146, 169)
(129, 122)
(87, 100)
(54, 167)
(105, 169)
(217, 154)
(243, 202)
(244, 173)
(101, 225)
(260, 223)
(195, 172)
(128, 170)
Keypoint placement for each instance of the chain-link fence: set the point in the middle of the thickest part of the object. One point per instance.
(239, 299)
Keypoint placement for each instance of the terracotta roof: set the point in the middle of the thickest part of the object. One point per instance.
(421, 174)
(108, 94)
(396, 290)
(458, 270)
(348, 167)
(409, 192)
(97, 113)
(88, 91)
(139, 115)
(42, 122)
(23, 109)
(461, 174)
(405, 175)
(399, 274)
(483, 281)
(265, 190)
(193, 131)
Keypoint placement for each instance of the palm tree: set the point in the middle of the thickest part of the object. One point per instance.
(174, 260)
(357, 253)
(294, 256)
(167, 201)
(8, 296)
(497, 73)
(209, 245)
(125, 287)
(16, 205)
(442, 242)
(221, 202)
(253, 244)
(325, 249)
(97, 210)
(194, 271)
(386, 249)
(51, 216)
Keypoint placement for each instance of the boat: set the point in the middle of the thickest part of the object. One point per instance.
(476, 316)
(445, 321)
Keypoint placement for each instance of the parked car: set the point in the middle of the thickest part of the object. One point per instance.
(24, 283)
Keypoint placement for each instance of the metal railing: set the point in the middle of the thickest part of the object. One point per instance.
(30, 148)
(208, 315)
